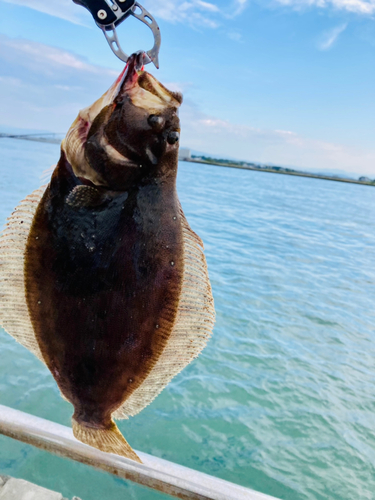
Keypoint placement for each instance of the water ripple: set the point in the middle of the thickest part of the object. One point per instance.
(282, 399)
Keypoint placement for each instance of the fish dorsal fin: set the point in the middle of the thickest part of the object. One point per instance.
(192, 328)
(14, 314)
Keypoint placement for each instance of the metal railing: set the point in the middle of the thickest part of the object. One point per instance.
(155, 473)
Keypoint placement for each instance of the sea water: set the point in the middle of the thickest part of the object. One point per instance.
(282, 400)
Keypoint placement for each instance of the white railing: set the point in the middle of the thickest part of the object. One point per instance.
(154, 473)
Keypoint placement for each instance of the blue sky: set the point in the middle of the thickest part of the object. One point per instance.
(290, 82)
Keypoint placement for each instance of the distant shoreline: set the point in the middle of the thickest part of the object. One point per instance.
(284, 172)
(49, 138)
(54, 139)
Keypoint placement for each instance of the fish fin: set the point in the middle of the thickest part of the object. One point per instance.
(47, 174)
(85, 196)
(192, 328)
(14, 313)
(109, 440)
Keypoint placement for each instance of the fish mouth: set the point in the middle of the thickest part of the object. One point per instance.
(141, 88)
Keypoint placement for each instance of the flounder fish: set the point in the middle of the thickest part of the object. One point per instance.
(101, 276)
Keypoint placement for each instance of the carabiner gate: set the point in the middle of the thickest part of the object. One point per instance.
(110, 13)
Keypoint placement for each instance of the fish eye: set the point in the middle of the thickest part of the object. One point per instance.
(156, 121)
(173, 137)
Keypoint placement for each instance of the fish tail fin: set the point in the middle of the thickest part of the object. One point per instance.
(109, 440)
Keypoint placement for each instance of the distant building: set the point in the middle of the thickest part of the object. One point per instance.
(184, 154)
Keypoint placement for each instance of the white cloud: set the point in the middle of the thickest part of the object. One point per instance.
(43, 88)
(179, 86)
(235, 36)
(9, 80)
(64, 9)
(192, 12)
(280, 147)
(356, 6)
(68, 88)
(240, 6)
(207, 6)
(330, 37)
(45, 60)
(196, 13)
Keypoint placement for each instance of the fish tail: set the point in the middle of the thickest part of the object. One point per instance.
(109, 440)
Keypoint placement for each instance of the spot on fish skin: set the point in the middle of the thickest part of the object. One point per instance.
(37, 237)
(172, 263)
(157, 326)
(39, 302)
(174, 218)
(130, 380)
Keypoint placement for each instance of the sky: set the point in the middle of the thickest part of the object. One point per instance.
(286, 82)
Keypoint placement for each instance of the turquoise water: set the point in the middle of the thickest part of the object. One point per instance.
(282, 399)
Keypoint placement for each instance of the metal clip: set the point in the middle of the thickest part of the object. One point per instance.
(110, 13)
(146, 18)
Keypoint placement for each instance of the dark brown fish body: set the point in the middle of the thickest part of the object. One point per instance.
(106, 273)
(103, 284)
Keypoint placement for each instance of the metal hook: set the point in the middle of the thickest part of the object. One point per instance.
(145, 17)
(148, 19)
